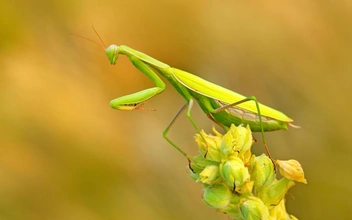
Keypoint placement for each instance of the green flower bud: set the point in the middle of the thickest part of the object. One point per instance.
(291, 169)
(199, 163)
(279, 211)
(236, 140)
(209, 175)
(194, 176)
(211, 147)
(244, 139)
(232, 210)
(262, 171)
(254, 209)
(228, 143)
(217, 196)
(276, 192)
(246, 187)
(234, 172)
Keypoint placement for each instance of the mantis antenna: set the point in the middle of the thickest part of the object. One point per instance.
(99, 37)
(102, 42)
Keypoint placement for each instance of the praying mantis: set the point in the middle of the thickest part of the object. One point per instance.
(221, 105)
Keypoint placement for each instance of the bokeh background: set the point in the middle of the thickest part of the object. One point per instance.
(65, 154)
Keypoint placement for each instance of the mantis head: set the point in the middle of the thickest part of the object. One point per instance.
(112, 53)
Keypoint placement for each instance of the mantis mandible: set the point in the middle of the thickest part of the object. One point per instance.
(221, 105)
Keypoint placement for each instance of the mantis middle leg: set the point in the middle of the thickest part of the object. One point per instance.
(190, 105)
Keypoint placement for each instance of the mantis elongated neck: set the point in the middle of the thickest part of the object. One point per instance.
(143, 63)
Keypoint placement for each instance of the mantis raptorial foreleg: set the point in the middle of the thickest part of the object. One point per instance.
(135, 100)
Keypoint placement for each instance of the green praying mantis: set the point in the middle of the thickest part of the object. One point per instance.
(221, 105)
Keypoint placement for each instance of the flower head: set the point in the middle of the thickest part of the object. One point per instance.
(239, 183)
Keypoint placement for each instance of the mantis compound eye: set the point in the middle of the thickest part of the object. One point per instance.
(112, 54)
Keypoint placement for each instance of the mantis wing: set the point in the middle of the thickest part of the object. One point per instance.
(214, 91)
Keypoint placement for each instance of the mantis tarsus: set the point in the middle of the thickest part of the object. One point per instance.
(222, 106)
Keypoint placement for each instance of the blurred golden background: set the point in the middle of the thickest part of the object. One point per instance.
(65, 154)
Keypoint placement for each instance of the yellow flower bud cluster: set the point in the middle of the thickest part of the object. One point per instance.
(238, 183)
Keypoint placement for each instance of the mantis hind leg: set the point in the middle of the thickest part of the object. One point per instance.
(210, 116)
(254, 99)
